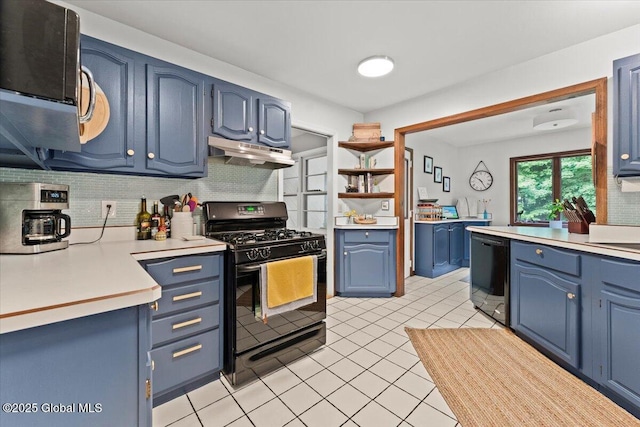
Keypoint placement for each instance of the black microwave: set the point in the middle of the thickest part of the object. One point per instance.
(40, 82)
(40, 50)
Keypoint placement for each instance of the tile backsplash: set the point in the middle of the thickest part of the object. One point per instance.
(624, 208)
(87, 190)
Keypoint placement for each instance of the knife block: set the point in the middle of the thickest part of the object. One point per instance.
(578, 227)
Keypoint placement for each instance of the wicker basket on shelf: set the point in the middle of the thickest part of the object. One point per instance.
(362, 220)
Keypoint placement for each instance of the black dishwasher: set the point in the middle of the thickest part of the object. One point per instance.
(490, 275)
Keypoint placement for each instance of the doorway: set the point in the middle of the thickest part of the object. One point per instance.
(408, 212)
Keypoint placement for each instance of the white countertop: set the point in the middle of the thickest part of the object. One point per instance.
(83, 280)
(446, 221)
(383, 222)
(560, 238)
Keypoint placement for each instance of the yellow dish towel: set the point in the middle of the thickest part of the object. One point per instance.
(289, 280)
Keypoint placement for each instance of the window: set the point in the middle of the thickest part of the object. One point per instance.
(305, 190)
(536, 181)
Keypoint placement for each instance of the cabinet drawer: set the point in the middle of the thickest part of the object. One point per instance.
(184, 269)
(556, 259)
(184, 360)
(625, 274)
(187, 296)
(366, 236)
(183, 324)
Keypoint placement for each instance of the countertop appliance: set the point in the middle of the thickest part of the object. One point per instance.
(256, 234)
(40, 77)
(490, 276)
(31, 220)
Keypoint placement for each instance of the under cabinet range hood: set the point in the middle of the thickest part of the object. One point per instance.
(243, 153)
(39, 81)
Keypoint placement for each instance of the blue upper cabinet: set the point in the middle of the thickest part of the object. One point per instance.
(156, 123)
(113, 149)
(626, 116)
(175, 121)
(232, 112)
(274, 122)
(241, 114)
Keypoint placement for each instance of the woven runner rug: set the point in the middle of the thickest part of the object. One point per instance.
(490, 377)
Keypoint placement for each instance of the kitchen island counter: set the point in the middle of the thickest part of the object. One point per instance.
(560, 238)
(83, 280)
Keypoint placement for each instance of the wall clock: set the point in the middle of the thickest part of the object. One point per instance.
(481, 179)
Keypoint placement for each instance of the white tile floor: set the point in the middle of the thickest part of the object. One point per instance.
(368, 374)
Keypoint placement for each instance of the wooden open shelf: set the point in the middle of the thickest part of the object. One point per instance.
(357, 172)
(365, 195)
(365, 146)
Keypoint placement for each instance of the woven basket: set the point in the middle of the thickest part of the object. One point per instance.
(365, 221)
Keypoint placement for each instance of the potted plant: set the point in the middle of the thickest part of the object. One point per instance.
(555, 209)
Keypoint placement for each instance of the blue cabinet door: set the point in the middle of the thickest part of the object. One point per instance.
(95, 367)
(456, 235)
(366, 269)
(274, 122)
(626, 116)
(440, 246)
(233, 112)
(546, 309)
(175, 121)
(620, 328)
(365, 262)
(113, 149)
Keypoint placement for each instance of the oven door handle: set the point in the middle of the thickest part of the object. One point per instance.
(256, 267)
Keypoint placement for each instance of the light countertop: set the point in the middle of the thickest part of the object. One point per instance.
(83, 280)
(447, 221)
(560, 238)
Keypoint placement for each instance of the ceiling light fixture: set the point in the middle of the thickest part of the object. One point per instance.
(554, 119)
(375, 66)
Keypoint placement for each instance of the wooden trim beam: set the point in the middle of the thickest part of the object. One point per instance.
(597, 87)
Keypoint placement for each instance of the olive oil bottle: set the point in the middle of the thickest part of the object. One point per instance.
(143, 222)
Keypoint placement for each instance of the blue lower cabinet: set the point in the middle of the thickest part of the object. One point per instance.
(583, 311)
(619, 321)
(439, 248)
(365, 262)
(186, 323)
(91, 371)
(546, 309)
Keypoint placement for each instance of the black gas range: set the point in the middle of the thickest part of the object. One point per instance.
(256, 235)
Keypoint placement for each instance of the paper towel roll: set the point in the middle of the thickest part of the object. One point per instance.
(181, 225)
(629, 185)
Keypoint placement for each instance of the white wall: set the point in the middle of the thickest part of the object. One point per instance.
(579, 63)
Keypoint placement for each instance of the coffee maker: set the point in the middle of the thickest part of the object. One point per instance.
(30, 217)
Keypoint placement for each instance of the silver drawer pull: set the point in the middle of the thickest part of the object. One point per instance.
(187, 323)
(539, 251)
(187, 351)
(571, 296)
(187, 296)
(187, 269)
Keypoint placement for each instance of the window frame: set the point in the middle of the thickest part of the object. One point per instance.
(302, 190)
(556, 180)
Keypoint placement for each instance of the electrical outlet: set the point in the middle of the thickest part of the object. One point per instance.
(385, 205)
(112, 212)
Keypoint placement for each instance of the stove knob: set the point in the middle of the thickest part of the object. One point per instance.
(252, 254)
(265, 253)
(304, 246)
(315, 245)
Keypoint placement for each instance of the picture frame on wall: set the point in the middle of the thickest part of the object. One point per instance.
(446, 184)
(428, 164)
(437, 174)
